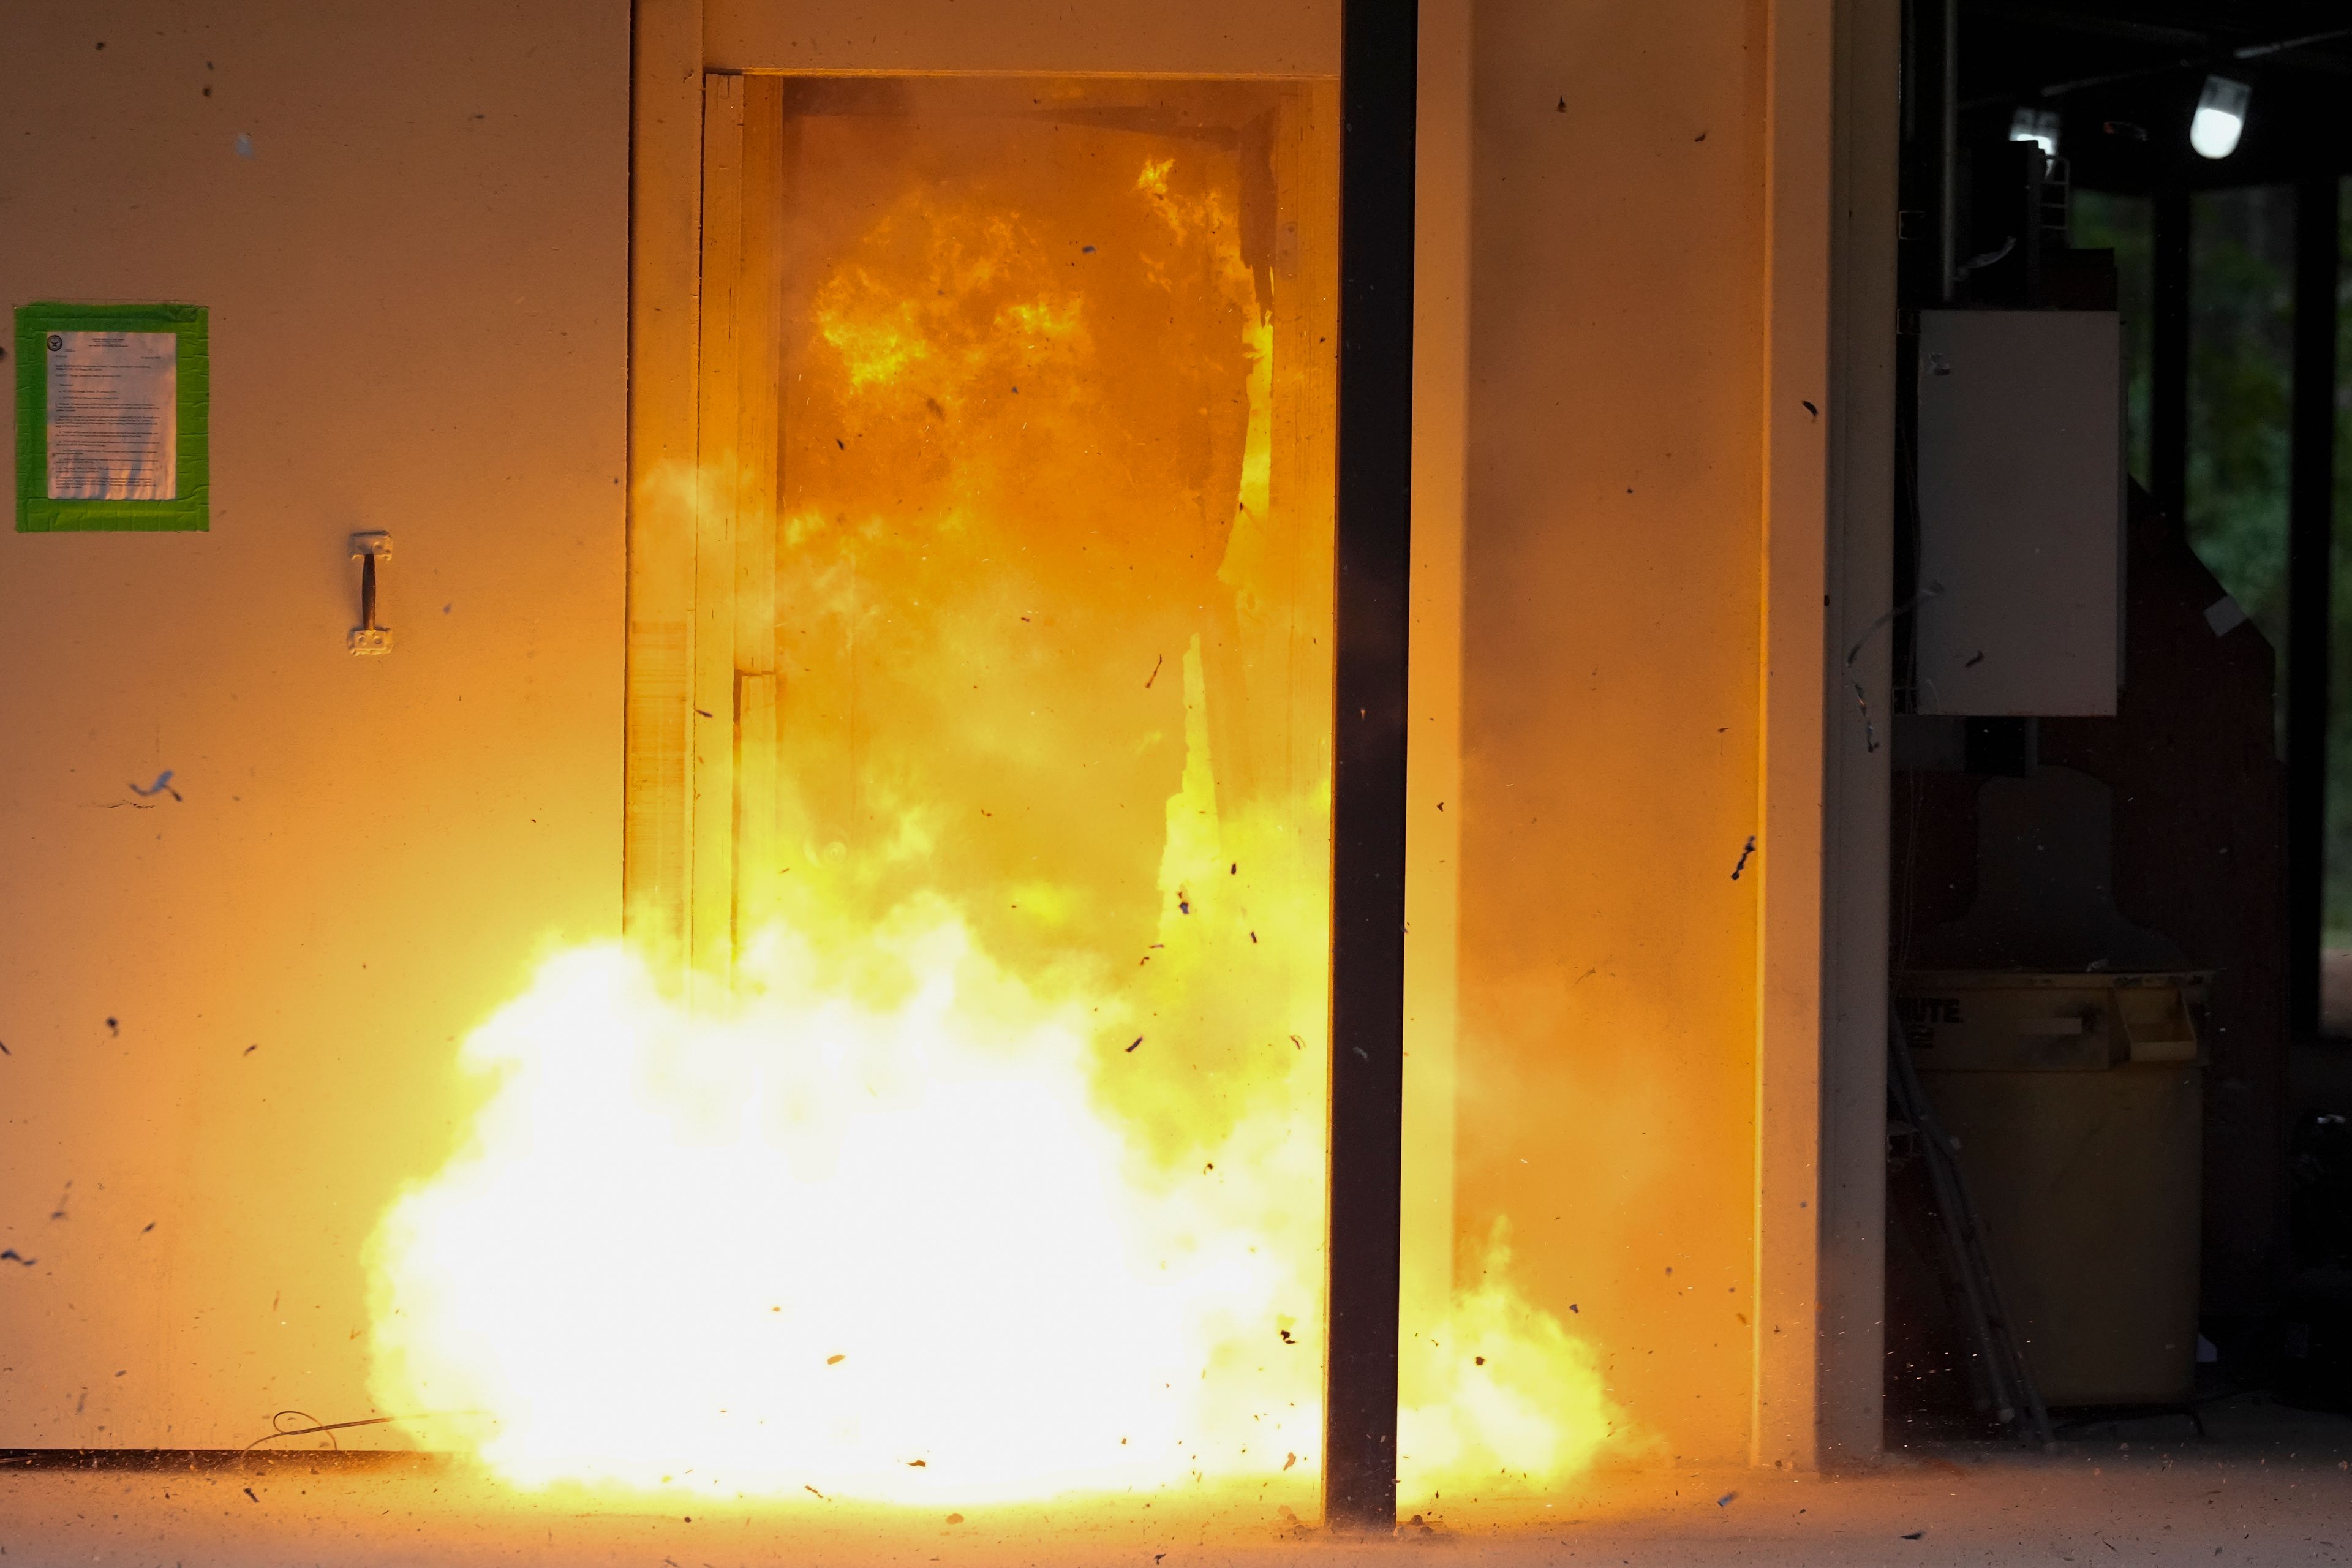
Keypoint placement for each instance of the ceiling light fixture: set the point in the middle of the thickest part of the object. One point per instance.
(2220, 117)
(2029, 124)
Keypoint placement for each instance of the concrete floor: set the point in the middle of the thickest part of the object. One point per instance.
(2266, 1486)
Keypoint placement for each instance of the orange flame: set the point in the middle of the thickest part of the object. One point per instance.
(1002, 1177)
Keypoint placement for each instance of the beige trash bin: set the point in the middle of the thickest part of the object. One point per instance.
(2077, 1104)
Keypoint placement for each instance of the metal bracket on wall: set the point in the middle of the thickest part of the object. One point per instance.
(368, 637)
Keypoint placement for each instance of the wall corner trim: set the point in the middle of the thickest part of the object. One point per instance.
(1831, 81)
(1795, 647)
(665, 274)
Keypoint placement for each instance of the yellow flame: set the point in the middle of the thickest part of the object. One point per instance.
(886, 1247)
(1000, 1176)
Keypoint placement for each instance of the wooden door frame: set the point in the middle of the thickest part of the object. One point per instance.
(1819, 1223)
(657, 841)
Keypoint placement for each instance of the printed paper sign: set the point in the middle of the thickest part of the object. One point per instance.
(113, 417)
(113, 425)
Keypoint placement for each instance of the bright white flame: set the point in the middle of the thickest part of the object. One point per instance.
(871, 1234)
(2220, 117)
(867, 1235)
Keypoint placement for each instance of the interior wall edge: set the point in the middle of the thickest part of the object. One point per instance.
(1859, 697)
(1800, 77)
(1433, 700)
(665, 274)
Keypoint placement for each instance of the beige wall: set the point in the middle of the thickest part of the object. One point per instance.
(1611, 615)
(417, 285)
(1201, 37)
(418, 300)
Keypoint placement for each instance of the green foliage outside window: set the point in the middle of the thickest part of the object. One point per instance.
(2240, 386)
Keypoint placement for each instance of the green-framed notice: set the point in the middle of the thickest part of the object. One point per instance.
(113, 418)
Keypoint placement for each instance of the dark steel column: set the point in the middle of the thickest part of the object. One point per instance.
(1379, 64)
(2167, 418)
(2311, 529)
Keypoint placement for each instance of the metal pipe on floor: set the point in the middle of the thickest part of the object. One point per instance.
(2001, 1355)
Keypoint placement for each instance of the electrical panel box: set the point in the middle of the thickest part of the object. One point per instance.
(2021, 469)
